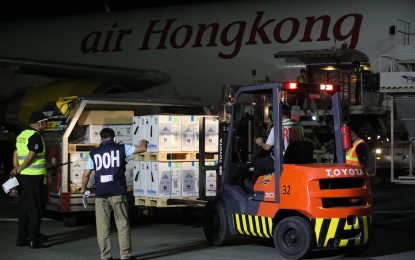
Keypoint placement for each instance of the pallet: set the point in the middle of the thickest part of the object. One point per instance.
(81, 147)
(173, 157)
(167, 156)
(209, 157)
(169, 202)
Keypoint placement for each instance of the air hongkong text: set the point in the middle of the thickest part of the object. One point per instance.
(171, 34)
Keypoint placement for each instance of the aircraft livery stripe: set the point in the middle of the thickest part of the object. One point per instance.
(253, 225)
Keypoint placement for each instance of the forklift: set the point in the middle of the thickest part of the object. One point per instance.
(303, 205)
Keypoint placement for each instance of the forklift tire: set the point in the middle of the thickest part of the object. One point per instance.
(293, 237)
(215, 224)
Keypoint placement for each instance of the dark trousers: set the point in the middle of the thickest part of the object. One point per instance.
(262, 166)
(30, 207)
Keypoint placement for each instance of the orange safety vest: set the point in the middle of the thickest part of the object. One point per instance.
(351, 156)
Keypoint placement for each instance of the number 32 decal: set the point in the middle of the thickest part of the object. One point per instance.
(286, 189)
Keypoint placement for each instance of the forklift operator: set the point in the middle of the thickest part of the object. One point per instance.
(292, 131)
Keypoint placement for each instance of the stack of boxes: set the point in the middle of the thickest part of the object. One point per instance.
(173, 134)
(123, 133)
(166, 134)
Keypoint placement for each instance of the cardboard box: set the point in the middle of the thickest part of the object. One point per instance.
(124, 139)
(211, 134)
(98, 117)
(76, 170)
(140, 129)
(211, 181)
(190, 133)
(123, 130)
(164, 133)
(139, 181)
(136, 119)
(92, 134)
(123, 133)
(164, 180)
(190, 179)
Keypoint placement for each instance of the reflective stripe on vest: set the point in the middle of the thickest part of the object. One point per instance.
(294, 124)
(351, 156)
(37, 167)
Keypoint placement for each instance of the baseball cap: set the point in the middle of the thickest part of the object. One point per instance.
(37, 116)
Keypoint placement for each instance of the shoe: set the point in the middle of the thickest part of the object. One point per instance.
(36, 245)
(22, 243)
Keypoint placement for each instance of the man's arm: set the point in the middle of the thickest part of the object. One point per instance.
(26, 163)
(142, 147)
(85, 179)
(260, 141)
(15, 159)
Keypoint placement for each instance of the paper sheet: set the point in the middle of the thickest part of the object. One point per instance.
(10, 184)
(85, 198)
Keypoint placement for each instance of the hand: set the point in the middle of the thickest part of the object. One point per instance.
(15, 171)
(259, 141)
(143, 143)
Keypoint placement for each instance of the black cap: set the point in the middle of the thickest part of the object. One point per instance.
(37, 116)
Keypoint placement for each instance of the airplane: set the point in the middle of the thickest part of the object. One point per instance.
(191, 50)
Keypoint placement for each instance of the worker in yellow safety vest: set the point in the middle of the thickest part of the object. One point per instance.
(30, 168)
(357, 154)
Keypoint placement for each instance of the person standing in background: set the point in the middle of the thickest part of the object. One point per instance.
(30, 167)
(301, 97)
(108, 162)
(302, 78)
(358, 153)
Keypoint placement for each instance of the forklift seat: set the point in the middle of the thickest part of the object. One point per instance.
(299, 152)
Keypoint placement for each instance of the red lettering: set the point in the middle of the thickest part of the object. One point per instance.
(94, 39)
(286, 135)
(162, 35)
(311, 21)
(150, 31)
(354, 31)
(90, 42)
(188, 33)
(121, 34)
(237, 40)
(277, 31)
(201, 31)
(257, 29)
